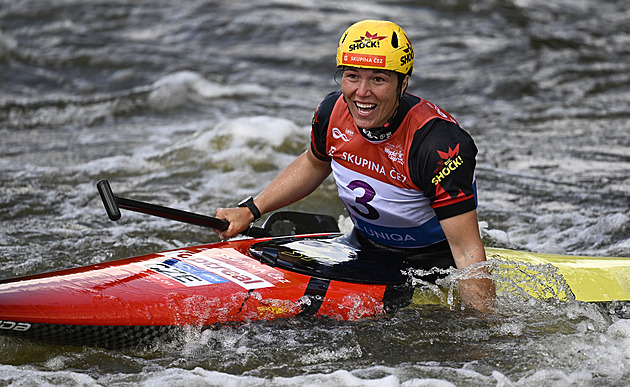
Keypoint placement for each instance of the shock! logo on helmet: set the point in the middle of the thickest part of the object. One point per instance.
(376, 44)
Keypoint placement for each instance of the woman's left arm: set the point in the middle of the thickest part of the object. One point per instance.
(462, 233)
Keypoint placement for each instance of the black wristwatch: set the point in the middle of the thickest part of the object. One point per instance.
(249, 203)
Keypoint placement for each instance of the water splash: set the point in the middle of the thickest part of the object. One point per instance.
(525, 280)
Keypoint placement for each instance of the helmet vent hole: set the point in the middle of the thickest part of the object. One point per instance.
(395, 40)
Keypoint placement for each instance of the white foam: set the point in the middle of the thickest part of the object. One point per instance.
(176, 88)
(199, 376)
(30, 376)
(240, 156)
(498, 237)
(241, 132)
(571, 232)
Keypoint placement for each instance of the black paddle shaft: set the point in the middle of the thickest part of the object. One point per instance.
(113, 204)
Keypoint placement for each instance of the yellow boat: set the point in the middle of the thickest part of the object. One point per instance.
(589, 279)
(545, 277)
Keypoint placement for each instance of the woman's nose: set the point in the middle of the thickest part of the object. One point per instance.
(363, 88)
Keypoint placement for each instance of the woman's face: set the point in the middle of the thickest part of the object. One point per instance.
(371, 95)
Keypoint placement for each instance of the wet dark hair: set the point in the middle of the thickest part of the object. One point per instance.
(338, 75)
(401, 78)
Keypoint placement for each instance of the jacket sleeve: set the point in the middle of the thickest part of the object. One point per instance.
(442, 164)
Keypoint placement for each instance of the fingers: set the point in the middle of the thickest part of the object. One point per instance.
(223, 213)
(239, 218)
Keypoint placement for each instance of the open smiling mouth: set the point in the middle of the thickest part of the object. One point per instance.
(365, 108)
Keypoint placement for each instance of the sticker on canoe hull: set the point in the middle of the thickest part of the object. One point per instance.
(183, 273)
(241, 277)
(200, 269)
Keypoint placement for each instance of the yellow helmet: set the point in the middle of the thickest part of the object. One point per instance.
(375, 44)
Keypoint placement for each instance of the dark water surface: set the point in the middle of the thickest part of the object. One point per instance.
(196, 104)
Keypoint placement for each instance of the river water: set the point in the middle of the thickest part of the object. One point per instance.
(196, 104)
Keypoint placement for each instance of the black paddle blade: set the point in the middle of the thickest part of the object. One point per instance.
(109, 200)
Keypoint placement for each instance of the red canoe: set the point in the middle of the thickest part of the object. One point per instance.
(131, 301)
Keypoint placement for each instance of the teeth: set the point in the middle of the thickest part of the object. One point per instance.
(365, 108)
(365, 105)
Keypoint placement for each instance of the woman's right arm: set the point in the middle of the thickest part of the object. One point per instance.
(295, 182)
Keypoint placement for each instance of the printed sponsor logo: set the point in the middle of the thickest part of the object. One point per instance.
(451, 160)
(374, 137)
(394, 174)
(251, 267)
(367, 41)
(408, 57)
(14, 326)
(240, 277)
(394, 154)
(364, 59)
(363, 162)
(387, 236)
(331, 151)
(225, 266)
(337, 134)
(181, 272)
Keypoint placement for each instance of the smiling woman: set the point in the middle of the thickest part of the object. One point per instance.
(198, 104)
(396, 206)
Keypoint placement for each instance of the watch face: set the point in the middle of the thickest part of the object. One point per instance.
(244, 202)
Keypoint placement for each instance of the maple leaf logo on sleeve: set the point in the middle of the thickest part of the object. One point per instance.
(451, 160)
(447, 159)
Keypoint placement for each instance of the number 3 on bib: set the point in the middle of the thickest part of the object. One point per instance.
(364, 200)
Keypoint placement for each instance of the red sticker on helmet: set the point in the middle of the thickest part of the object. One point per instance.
(364, 60)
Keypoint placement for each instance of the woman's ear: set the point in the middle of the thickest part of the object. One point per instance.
(404, 85)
